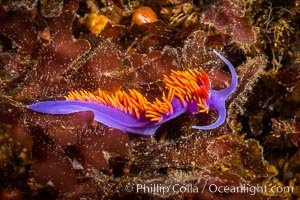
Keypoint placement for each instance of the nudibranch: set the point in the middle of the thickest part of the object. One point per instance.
(187, 92)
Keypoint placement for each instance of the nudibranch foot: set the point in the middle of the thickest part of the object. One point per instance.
(188, 92)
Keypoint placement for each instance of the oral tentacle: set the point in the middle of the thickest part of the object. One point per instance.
(222, 116)
(217, 99)
(234, 78)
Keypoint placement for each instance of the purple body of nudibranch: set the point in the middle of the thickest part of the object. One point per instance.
(118, 119)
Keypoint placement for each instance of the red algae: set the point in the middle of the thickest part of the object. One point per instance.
(229, 16)
(103, 69)
(100, 145)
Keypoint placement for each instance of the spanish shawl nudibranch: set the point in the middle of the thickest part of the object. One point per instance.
(188, 92)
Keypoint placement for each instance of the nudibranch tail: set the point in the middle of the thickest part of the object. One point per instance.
(109, 116)
(188, 92)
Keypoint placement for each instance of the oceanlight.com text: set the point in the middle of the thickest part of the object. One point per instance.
(212, 188)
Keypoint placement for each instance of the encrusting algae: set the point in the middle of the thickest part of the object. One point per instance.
(94, 21)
